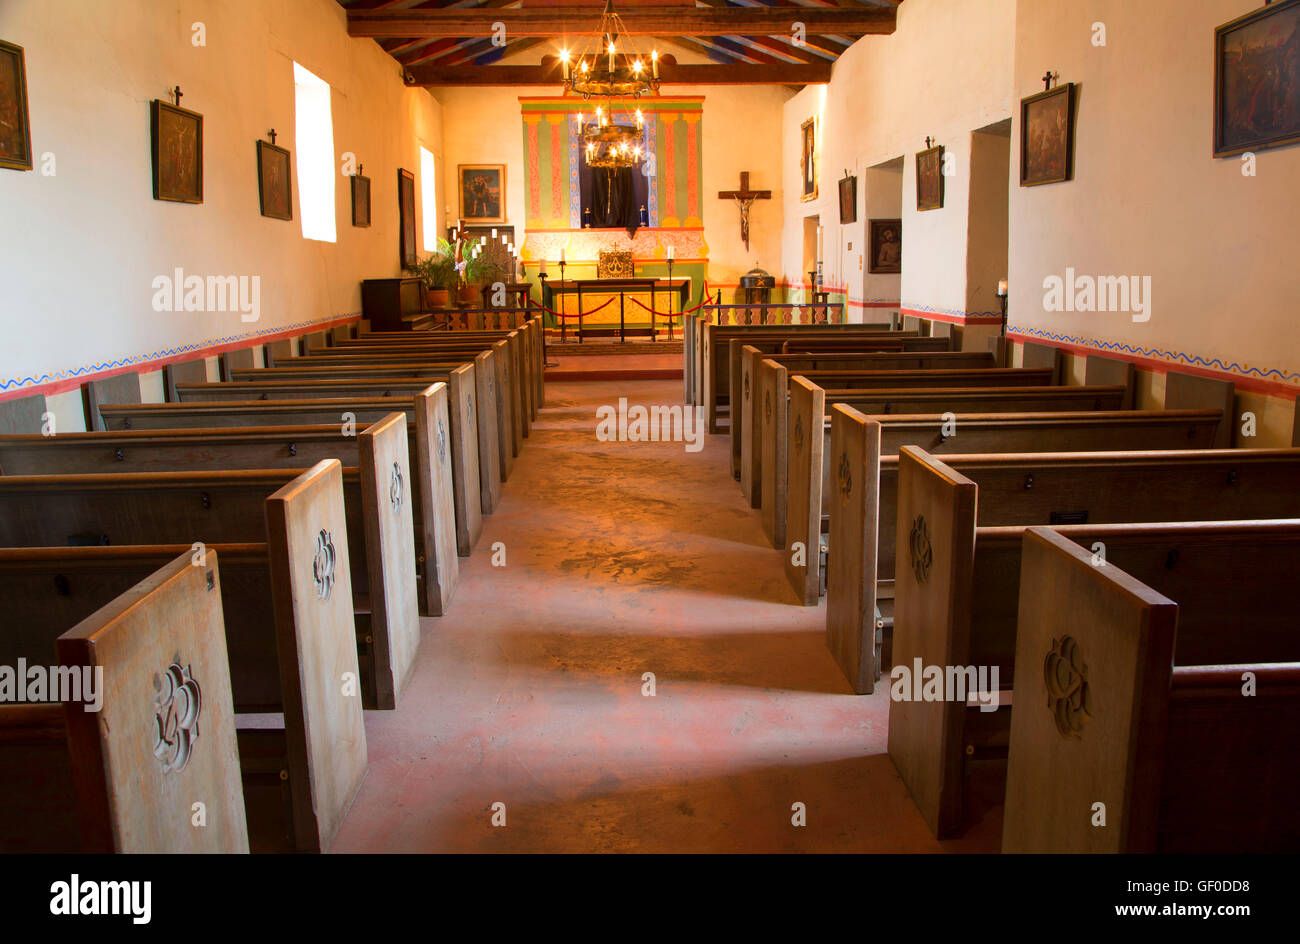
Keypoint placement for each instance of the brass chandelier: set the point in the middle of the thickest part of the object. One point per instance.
(605, 73)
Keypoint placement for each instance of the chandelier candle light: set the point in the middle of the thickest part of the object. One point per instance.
(607, 143)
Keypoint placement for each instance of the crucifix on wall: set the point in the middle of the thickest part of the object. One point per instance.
(744, 198)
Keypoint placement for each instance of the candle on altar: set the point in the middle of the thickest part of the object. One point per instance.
(494, 234)
(564, 58)
(654, 62)
(611, 57)
(819, 244)
(672, 252)
(561, 254)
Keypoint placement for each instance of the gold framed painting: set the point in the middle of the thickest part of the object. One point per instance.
(1257, 80)
(482, 189)
(929, 178)
(808, 160)
(177, 138)
(1047, 136)
(274, 181)
(15, 126)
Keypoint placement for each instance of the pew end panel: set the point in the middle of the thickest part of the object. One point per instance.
(933, 591)
(1034, 354)
(1111, 371)
(462, 397)
(1190, 392)
(742, 435)
(851, 618)
(506, 421)
(804, 513)
(1092, 680)
(771, 485)
(122, 388)
(22, 414)
(312, 592)
(437, 499)
(489, 443)
(391, 565)
(162, 649)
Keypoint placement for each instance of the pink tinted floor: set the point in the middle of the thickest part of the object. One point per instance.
(623, 559)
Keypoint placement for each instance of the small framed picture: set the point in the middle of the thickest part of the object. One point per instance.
(15, 127)
(482, 192)
(1047, 137)
(177, 136)
(929, 178)
(1257, 80)
(886, 246)
(274, 182)
(406, 216)
(360, 200)
(848, 200)
(808, 160)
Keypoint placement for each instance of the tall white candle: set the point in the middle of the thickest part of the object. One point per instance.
(561, 254)
(819, 244)
(672, 252)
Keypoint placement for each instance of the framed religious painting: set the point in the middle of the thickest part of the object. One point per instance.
(1047, 136)
(1257, 80)
(274, 183)
(15, 126)
(406, 216)
(848, 199)
(177, 138)
(482, 189)
(885, 243)
(360, 200)
(808, 160)
(929, 178)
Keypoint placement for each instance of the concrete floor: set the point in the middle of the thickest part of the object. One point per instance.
(622, 559)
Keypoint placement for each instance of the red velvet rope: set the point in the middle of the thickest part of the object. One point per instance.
(561, 315)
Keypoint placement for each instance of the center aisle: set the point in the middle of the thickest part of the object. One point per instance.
(622, 559)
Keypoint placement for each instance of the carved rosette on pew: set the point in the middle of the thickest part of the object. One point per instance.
(176, 711)
(1066, 678)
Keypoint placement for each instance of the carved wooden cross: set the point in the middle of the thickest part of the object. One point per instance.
(744, 198)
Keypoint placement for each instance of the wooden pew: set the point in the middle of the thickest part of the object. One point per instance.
(472, 491)
(861, 523)
(532, 331)
(512, 419)
(1182, 759)
(78, 780)
(289, 447)
(768, 410)
(717, 372)
(480, 410)
(947, 600)
(527, 340)
(805, 485)
(228, 507)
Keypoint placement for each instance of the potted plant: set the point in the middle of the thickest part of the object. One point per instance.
(479, 270)
(438, 272)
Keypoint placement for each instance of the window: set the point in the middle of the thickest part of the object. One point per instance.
(428, 200)
(315, 155)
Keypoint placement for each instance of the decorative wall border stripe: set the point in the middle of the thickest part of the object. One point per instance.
(1272, 381)
(60, 381)
(952, 316)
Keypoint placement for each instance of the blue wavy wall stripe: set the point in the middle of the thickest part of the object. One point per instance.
(1192, 360)
(16, 383)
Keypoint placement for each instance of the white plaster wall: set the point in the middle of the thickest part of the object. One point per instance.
(82, 247)
(1147, 197)
(946, 71)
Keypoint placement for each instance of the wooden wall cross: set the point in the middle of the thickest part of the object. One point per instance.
(744, 198)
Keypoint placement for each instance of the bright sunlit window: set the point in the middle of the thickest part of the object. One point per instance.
(315, 155)
(428, 199)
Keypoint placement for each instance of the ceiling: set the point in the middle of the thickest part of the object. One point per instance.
(743, 42)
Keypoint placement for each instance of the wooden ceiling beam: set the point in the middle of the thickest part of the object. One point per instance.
(467, 22)
(549, 73)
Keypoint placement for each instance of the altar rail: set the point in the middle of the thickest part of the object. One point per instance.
(774, 313)
(485, 319)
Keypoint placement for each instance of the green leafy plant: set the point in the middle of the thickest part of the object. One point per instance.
(438, 269)
(483, 270)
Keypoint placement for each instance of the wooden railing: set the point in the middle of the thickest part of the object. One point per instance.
(819, 312)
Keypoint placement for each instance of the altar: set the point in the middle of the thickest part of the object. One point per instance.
(616, 307)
